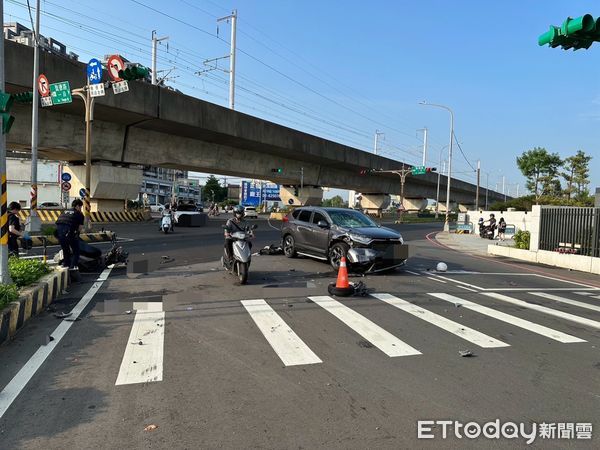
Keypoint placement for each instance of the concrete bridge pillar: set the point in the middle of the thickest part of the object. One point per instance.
(374, 203)
(415, 204)
(442, 207)
(110, 186)
(464, 207)
(306, 196)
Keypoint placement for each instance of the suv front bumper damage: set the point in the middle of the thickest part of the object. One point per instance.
(370, 260)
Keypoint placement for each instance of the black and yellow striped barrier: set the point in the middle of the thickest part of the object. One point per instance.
(32, 301)
(51, 215)
(103, 236)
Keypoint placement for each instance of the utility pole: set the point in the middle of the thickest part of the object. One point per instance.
(4, 275)
(301, 177)
(377, 134)
(233, 17)
(478, 179)
(34, 221)
(437, 195)
(424, 130)
(155, 42)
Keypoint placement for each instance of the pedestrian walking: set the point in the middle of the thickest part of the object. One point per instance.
(501, 228)
(15, 230)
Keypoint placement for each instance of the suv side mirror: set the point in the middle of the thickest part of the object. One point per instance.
(322, 224)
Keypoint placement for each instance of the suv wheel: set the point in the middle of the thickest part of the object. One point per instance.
(336, 252)
(289, 246)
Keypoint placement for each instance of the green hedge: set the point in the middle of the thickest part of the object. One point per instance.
(26, 271)
(522, 239)
(8, 293)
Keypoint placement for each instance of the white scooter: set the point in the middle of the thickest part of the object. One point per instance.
(242, 254)
(166, 223)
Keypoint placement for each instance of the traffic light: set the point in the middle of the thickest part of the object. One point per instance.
(577, 33)
(23, 97)
(430, 169)
(277, 170)
(6, 101)
(366, 171)
(134, 73)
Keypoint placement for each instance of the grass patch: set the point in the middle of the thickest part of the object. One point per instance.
(26, 271)
(8, 293)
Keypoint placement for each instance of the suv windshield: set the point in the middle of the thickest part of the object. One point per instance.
(350, 219)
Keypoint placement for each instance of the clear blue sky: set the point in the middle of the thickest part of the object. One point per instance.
(347, 68)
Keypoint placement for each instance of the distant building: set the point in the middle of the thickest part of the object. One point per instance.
(16, 32)
(160, 185)
(597, 199)
(233, 192)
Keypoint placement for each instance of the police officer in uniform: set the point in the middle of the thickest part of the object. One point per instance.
(68, 227)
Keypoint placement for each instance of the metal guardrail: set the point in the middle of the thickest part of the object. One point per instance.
(567, 229)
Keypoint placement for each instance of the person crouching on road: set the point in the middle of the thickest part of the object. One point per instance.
(14, 229)
(68, 227)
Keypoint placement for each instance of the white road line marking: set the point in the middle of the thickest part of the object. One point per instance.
(532, 289)
(143, 362)
(576, 283)
(459, 330)
(566, 300)
(435, 279)
(543, 309)
(513, 320)
(584, 293)
(289, 347)
(457, 281)
(380, 338)
(596, 297)
(20, 380)
(466, 288)
(414, 273)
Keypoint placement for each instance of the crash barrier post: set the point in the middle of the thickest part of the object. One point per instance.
(51, 215)
(45, 252)
(342, 278)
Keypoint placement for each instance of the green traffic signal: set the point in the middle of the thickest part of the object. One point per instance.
(277, 170)
(134, 73)
(23, 97)
(577, 33)
(6, 101)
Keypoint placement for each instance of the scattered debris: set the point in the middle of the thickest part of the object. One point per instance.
(73, 319)
(49, 339)
(292, 270)
(360, 289)
(271, 250)
(62, 315)
(441, 267)
(377, 428)
(189, 308)
(465, 353)
(140, 342)
(290, 305)
(128, 312)
(151, 427)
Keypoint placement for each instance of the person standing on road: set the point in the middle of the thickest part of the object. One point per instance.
(501, 229)
(492, 223)
(68, 226)
(14, 229)
(236, 223)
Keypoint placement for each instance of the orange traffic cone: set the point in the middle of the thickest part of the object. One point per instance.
(342, 278)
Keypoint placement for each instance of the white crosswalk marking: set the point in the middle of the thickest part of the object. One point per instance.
(380, 338)
(513, 320)
(551, 312)
(143, 358)
(289, 347)
(566, 300)
(459, 330)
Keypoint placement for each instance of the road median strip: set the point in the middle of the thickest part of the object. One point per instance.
(102, 236)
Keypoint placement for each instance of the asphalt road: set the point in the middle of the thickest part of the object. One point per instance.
(276, 364)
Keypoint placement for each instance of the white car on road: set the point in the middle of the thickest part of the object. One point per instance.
(250, 212)
(158, 208)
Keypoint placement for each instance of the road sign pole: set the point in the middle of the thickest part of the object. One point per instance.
(89, 105)
(34, 221)
(4, 275)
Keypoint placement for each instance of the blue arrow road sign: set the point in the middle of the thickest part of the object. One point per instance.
(94, 71)
(82, 192)
(65, 176)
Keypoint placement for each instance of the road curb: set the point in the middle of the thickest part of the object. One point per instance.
(32, 301)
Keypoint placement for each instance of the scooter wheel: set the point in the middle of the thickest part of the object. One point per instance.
(340, 292)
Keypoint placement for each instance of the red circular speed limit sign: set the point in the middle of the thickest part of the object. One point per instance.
(43, 86)
(114, 65)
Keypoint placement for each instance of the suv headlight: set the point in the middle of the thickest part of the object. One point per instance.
(360, 238)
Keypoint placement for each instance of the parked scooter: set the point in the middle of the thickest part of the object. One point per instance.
(242, 254)
(486, 231)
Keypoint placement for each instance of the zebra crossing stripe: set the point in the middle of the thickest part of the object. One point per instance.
(510, 319)
(566, 300)
(459, 330)
(289, 347)
(551, 312)
(380, 338)
(143, 358)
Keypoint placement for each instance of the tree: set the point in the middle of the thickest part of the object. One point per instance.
(213, 191)
(540, 167)
(334, 202)
(577, 176)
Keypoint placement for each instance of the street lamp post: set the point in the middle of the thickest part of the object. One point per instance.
(437, 195)
(447, 219)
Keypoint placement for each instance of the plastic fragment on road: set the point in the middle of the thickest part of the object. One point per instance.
(150, 427)
(465, 353)
(62, 315)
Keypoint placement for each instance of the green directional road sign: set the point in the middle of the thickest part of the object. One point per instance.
(60, 93)
(419, 170)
